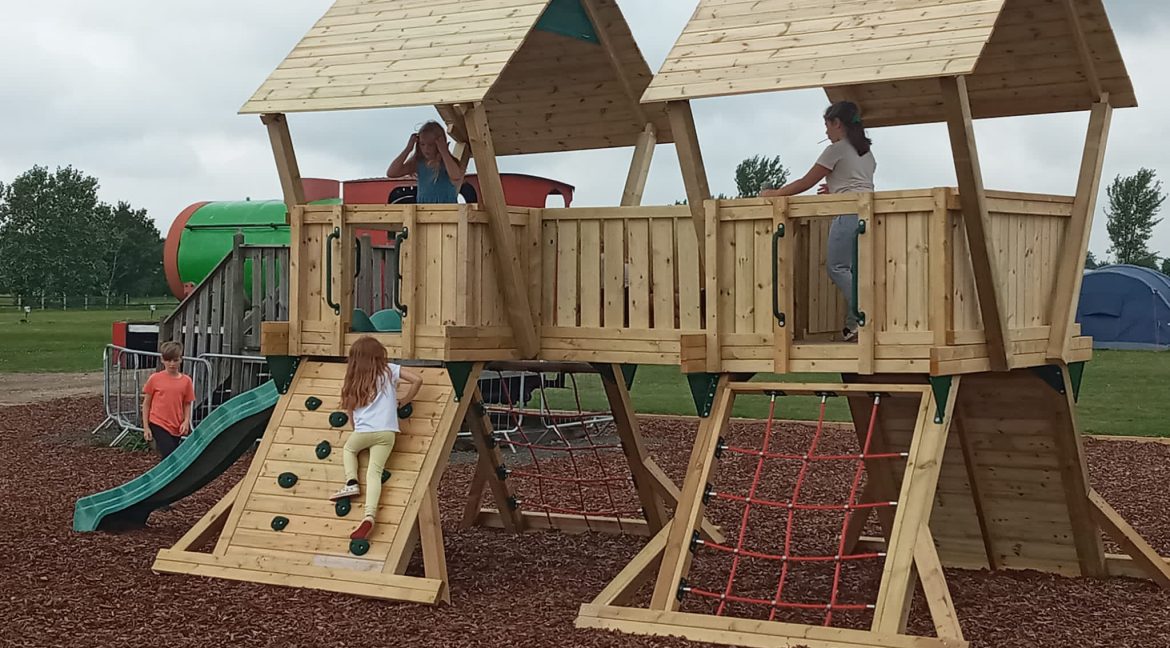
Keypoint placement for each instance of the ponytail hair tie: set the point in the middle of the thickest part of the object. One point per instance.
(857, 118)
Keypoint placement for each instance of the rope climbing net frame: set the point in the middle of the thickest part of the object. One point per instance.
(781, 552)
(797, 501)
(570, 465)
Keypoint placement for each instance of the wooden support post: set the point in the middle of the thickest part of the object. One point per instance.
(915, 502)
(1074, 476)
(638, 571)
(430, 535)
(474, 502)
(286, 159)
(234, 306)
(942, 269)
(488, 471)
(976, 488)
(690, 161)
(639, 167)
(975, 217)
(410, 268)
(934, 587)
(433, 465)
(507, 261)
(630, 434)
(1069, 270)
(296, 219)
(1130, 541)
(676, 559)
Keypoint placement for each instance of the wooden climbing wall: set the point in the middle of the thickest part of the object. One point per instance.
(1013, 465)
(314, 547)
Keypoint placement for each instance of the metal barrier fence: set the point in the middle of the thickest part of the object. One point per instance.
(234, 374)
(124, 374)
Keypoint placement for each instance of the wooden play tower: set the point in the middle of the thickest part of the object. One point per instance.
(962, 384)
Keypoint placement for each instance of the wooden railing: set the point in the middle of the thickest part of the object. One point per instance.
(624, 284)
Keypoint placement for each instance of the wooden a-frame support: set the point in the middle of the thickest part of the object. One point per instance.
(911, 555)
(655, 490)
(419, 526)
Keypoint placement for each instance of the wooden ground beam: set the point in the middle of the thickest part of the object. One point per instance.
(211, 524)
(1140, 551)
(507, 260)
(976, 220)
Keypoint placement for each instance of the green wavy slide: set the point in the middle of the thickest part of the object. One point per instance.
(215, 444)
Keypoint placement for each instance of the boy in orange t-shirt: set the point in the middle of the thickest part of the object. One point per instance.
(167, 400)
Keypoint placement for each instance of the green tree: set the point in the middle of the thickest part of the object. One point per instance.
(50, 233)
(757, 173)
(1134, 202)
(1091, 262)
(133, 252)
(1166, 266)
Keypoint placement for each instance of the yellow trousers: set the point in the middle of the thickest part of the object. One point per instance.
(379, 444)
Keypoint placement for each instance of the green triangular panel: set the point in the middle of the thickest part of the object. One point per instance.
(568, 18)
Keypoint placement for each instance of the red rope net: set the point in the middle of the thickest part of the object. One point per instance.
(777, 553)
(571, 462)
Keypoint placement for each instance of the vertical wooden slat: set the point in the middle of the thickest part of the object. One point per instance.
(662, 271)
(214, 285)
(638, 239)
(589, 248)
(762, 239)
(689, 279)
(257, 311)
(615, 273)
(549, 273)
(881, 262)
(712, 281)
(296, 283)
(465, 280)
(535, 263)
(450, 271)
(408, 267)
(744, 320)
(433, 285)
(724, 261)
(367, 271)
(941, 270)
(896, 267)
(867, 334)
(787, 285)
(917, 273)
(567, 286)
(285, 271)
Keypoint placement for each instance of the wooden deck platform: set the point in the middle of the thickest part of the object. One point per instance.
(627, 284)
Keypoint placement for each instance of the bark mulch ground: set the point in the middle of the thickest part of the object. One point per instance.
(63, 588)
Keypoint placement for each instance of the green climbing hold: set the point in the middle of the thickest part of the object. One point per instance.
(279, 523)
(286, 480)
(323, 449)
(342, 506)
(312, 403)
(405, 411)
(385, 476)
(338, 419)
(359, 547)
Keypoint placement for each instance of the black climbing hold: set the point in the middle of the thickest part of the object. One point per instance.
(312, 403)
(279, 522)
(696, 540)
(338, 419)
(323, 449)
(405, 411)
(513, 503)
(342, 506)
(286, 480)
(385, 476)
(359, 547)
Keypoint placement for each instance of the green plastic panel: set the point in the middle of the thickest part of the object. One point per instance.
(568, 18)
(222, 437)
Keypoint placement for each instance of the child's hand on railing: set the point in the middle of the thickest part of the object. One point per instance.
(823, 189)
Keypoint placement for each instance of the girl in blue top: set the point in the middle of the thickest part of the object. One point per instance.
(427, 157)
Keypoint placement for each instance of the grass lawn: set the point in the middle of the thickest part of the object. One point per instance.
(56, 341)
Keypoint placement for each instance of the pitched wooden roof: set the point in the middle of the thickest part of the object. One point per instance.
(541, 67)
(1021, 56)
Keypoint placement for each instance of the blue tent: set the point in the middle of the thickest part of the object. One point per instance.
(1126, 307)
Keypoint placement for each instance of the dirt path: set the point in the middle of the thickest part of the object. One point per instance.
(21, 388)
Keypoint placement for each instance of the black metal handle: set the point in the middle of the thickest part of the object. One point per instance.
(776, 312)
(335, 235)
(398, 239)
(357, 262)
(857, 314)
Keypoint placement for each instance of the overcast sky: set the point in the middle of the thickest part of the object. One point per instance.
(143, 94)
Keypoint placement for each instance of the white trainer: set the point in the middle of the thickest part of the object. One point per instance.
(349, 490)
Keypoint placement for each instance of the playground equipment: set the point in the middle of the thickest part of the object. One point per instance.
(962, 383)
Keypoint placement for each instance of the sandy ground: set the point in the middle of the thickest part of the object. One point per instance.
(21, 388)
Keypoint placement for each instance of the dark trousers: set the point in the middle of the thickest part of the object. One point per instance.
(164, 441)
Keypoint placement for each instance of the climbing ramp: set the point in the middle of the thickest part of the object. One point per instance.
(279, 527)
